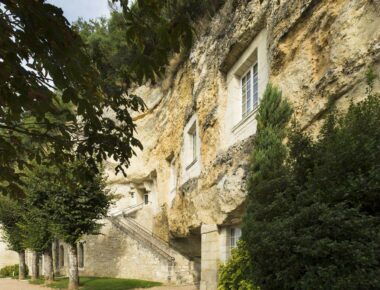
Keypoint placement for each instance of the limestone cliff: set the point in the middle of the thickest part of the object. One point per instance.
(318, 52)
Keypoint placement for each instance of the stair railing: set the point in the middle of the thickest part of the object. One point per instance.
(125, 227)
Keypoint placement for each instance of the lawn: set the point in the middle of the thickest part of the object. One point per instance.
(101, 283)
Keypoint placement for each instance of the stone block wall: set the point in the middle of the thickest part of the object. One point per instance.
(115, 254)
(210, 257)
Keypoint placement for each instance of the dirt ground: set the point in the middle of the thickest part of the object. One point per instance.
(11, 284)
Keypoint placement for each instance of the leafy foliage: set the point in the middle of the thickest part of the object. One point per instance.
(11, 271)
(44, 64)
(313, 219)
(10, 214)
(70, 199)
(40, 55)
(235, 274)
(267, 180)
(136, 43)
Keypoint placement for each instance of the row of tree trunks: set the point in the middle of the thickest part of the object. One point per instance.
(21, 265)
(49, 267)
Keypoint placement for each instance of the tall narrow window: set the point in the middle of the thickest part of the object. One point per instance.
(190, 155)
(81, 255)
(193, 142)
(146, 198)
(172, 180)
(250, 90)
(61, 256)
(234, 235)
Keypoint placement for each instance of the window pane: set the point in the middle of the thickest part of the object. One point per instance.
(255, 86)
(249, 92)
(244, 95)
(233, 239)
(246, 86)
(194, 137)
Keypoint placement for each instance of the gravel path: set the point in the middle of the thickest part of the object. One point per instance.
(11, 284)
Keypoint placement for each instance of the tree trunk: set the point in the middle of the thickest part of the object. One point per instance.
(55, 247)
(35, 265)
(21, 265)
(48, 265)
(73, 267)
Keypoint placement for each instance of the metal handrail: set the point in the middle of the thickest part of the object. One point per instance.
(146, 230)
(150, 233)
(124, 226)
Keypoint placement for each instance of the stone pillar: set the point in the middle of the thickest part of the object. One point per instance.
(210, 257)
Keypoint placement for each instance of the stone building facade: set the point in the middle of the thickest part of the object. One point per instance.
(180, 208)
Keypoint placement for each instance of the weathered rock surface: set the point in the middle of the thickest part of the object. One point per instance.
(318, 54)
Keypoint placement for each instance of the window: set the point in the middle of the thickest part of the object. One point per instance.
(146, 198)
(250, 90)
(172, 180)
(132, 195)
(233, 240)
(246, 81)
(234, 235)
(80, 255)
(61, 256)
(193, 142)
(190, 153)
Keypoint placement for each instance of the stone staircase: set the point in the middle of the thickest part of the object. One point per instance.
(181, 269)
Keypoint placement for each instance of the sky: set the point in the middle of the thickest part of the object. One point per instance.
(87, 9)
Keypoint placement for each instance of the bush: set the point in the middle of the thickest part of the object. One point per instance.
(235, 273)
(11, 271)
(313, 217)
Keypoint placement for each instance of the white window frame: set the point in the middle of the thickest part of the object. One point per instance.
(191, 150)
(193, 143)
(233, 236)
(250, 102)
(240, 123)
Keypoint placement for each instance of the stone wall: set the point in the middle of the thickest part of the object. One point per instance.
(118, 255)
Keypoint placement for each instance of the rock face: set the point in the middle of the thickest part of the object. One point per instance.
(317, 52)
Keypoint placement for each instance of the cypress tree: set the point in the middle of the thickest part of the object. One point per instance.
(268, 179)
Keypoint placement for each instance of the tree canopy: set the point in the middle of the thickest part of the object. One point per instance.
(61, 93)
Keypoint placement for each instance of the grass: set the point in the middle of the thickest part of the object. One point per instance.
(103, 283)
(39, 281)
